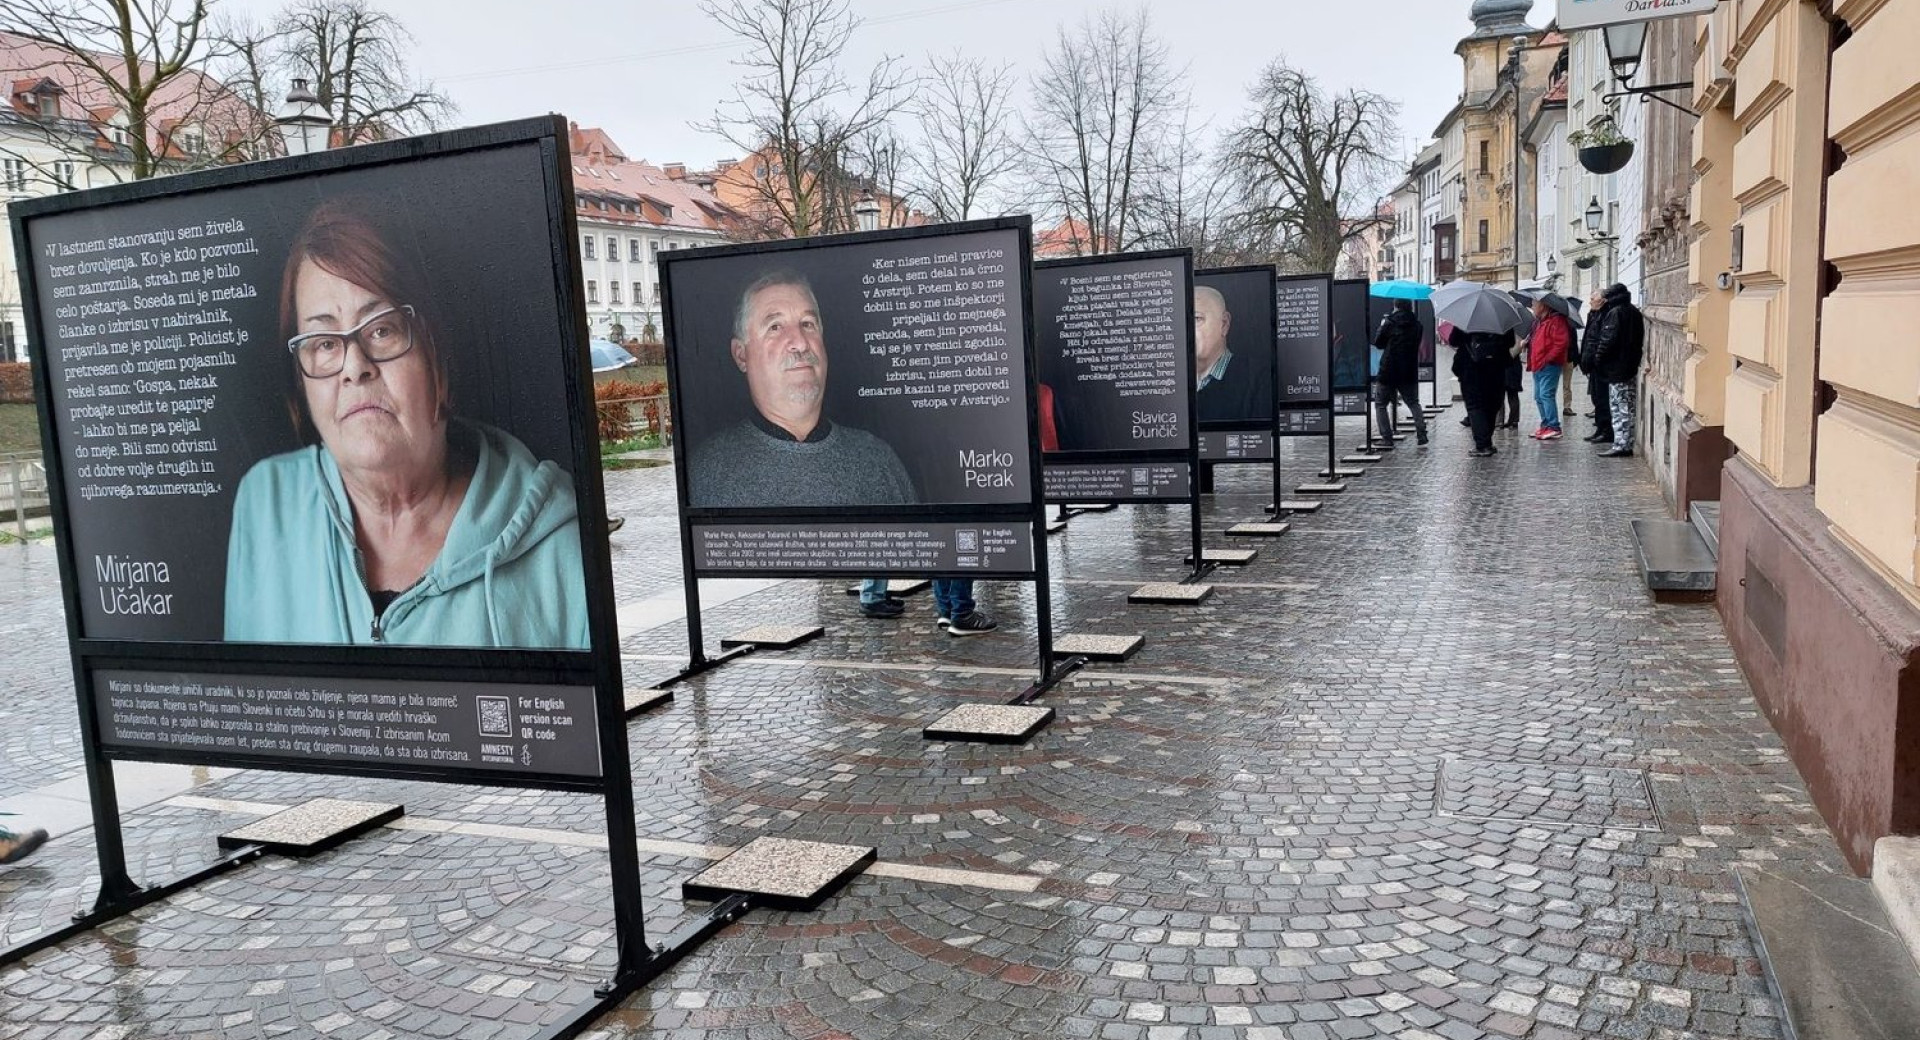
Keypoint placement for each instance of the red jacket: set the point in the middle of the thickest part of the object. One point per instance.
(1551, 339)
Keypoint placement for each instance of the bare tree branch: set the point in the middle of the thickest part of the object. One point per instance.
(134, 95)
(962, 112)
(355, 58)
(1303, 160)
(1106, 110)
(794, 115)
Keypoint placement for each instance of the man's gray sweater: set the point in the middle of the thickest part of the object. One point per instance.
(745, 466)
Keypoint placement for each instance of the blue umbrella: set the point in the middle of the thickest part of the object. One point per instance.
(1401, 289)
(608, 357)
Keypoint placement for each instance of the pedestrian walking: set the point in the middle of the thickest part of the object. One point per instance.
(1602, 411)
(1480, 362)
(1398, 378)
(959, 615)
(1619, 341)
(1547, 358)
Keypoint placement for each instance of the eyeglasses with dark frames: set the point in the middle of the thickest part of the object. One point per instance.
(384, 336)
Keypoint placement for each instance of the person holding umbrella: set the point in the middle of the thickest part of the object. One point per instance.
(1485, 323)
(1398, 376)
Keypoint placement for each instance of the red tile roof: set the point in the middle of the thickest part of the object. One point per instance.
(602, 175)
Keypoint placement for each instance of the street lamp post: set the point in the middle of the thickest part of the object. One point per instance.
(304, 124)
(866, 212)
(1514, 68)
(1596, 219)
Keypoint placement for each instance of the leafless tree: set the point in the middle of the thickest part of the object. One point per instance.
(1107, 102)
(794, 114)
(132, 82)
(963, 112)
(1305, 159)
(355, 59)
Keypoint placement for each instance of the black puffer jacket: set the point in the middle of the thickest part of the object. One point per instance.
(1617, 339)
(1399, 337)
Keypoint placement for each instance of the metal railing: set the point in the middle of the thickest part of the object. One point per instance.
(23, 487)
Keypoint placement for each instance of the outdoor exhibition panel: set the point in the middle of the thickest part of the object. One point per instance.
(857, 404)
(233, 362)
(1303, 321)
(1113, 342)
(1235, 364)
(1351, 339)
(243, 374)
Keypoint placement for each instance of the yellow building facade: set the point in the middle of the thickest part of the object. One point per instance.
(1805, 337)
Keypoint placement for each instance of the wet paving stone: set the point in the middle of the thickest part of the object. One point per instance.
(1405, 775)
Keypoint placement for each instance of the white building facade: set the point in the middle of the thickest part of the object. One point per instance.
(629, 212)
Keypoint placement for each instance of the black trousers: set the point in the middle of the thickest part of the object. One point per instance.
(1483, 386)
(1602, 406)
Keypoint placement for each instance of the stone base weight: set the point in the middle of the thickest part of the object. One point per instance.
(1166, 593)
(313, 826)
(781, 873)
(1056, 526)
(1322, 489)
(1092, 507)
(1299, 505)
(989, 724)
(1342, 471)
(1229, 557)
(1098, 648)
(1252, 530)
(1361, 456)
(773, 637)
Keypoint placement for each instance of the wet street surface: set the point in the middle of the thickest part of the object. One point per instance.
(1433, 765)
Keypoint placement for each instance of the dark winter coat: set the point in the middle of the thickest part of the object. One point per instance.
(1399, 337)
(1618, 341)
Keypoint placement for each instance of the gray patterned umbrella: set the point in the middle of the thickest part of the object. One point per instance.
(1477, 307)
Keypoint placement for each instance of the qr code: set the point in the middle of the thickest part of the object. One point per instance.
(1141, 476)
(966, 541)
(496, 718)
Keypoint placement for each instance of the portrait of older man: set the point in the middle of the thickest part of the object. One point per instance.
(787, 452)
(1231, 387)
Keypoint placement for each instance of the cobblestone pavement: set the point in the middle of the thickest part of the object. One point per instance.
(1432, 766)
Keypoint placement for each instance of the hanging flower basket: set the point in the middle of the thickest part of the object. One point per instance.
(1606, 158)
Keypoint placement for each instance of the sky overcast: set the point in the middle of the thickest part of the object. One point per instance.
(644, 71)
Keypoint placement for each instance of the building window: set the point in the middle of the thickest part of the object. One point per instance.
(63, 174)
(633, 250)
(16, 173)
(653, 247)
(613, 248)
(1485, 162)
(1483, 236)
(588, 245)
(613, 293)
(656, 292)
(593, 291)
(637, 298)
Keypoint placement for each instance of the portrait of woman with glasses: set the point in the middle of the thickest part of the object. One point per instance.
(400, 522)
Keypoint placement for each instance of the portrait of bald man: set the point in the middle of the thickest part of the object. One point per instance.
(1232, 387)
(787, 452)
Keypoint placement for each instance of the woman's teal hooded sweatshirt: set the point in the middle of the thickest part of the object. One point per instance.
(509, 575)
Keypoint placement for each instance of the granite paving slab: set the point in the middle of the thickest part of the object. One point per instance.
(781, 873)
(315, 825)
(989, 724)
(1098, 647)
(774, 637)
(1168, 593)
